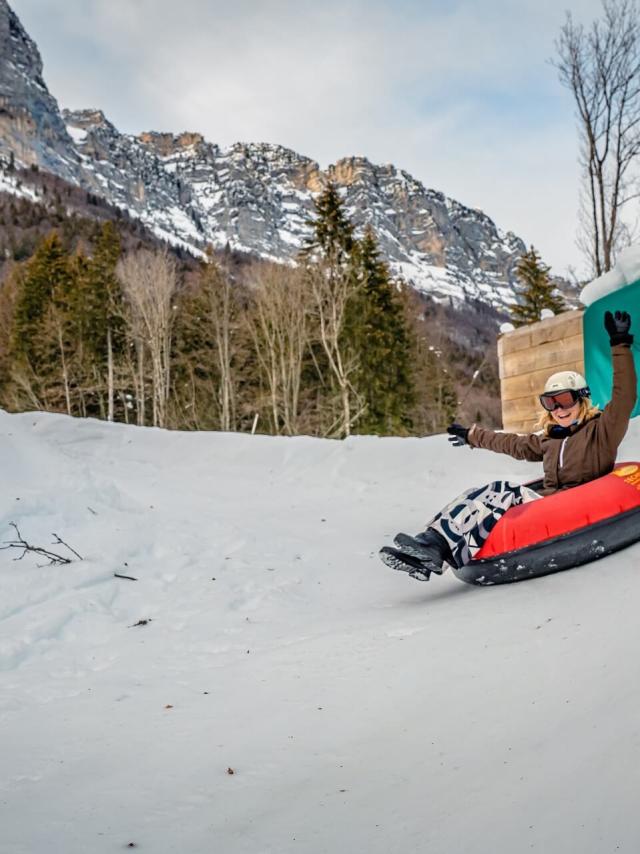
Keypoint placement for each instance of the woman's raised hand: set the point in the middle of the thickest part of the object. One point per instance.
(618, 325)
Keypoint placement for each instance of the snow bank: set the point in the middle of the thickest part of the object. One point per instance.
(358, 709)
(625, 272)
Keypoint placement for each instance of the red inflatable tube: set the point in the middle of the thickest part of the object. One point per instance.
(569, 528)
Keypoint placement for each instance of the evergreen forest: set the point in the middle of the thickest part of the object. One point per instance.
(98, 320)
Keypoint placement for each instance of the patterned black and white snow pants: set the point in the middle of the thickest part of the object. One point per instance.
(467, 521)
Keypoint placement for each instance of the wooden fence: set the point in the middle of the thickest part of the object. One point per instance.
(527, 357)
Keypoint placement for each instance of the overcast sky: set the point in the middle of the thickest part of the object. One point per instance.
(459, 93)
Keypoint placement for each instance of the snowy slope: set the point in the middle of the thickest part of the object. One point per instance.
(15, 187)
(360, 710)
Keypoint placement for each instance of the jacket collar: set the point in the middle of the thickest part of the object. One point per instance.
(559, 432)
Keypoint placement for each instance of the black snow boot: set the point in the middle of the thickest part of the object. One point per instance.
(405, 563)
(429, 547)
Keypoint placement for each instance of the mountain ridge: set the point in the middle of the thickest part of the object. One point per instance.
(256, 198)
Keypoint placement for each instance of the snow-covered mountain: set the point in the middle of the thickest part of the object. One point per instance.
(358, 709)
(257, 198)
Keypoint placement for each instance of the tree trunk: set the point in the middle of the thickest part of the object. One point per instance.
(65, 375)
(109, 376)
(141, 403)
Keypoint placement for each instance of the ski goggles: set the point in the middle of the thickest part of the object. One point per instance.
(564, 399)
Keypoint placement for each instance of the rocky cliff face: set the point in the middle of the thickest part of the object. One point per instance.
(257, 198)
(31, 127)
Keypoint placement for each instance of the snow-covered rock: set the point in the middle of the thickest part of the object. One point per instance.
(258, 198)
(10, 183)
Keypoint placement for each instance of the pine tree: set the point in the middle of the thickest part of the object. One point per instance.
(332, 236)
(382, 340)
(536, 291)
(65, 323)
(48, 268)
(103, 299)
(104, 316)
(195, 376)
(366, 342)
(214, 376)
(39, 341)
(8, 293)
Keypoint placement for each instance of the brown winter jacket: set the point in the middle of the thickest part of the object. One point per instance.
(589, 450)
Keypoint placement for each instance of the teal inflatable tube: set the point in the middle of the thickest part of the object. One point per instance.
(597, 352)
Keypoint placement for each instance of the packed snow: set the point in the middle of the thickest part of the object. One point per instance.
(267, 685)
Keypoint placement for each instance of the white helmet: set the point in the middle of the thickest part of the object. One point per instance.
(567, 380)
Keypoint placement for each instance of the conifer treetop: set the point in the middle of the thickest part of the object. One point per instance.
(536, 292)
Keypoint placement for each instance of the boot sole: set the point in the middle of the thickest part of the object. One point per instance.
(404, 563)
(411, 546)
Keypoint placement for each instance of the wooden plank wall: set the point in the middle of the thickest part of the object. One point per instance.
(527, 357)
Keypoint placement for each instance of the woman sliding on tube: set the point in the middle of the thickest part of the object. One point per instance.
(577, 443)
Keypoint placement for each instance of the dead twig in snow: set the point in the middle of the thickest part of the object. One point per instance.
(62, 543)
(52, 557)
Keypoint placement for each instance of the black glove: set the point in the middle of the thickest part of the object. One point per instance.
(458, 435)
(618, 325)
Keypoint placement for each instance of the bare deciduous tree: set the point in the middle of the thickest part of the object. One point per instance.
(279, 329)
(24, 391)
(149, 282)
(218, 289)
(57, 321)
(601, 68)
(331, 289)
